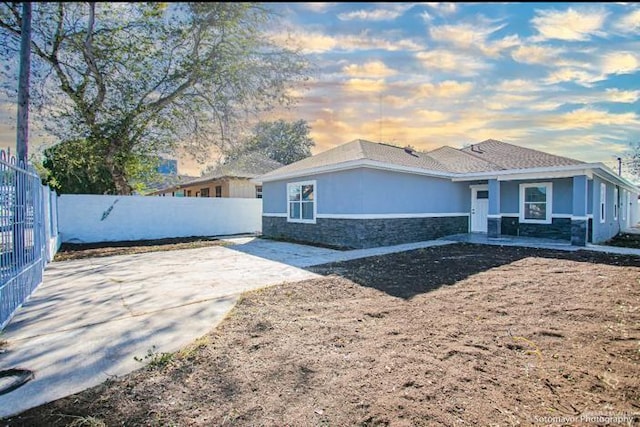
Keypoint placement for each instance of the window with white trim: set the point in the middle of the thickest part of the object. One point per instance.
(535, 202)
(603, 202)
(301, 202)
(623, 205)
(616, 203)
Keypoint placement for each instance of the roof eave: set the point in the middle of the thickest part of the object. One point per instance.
(588, 169)
(352, 164)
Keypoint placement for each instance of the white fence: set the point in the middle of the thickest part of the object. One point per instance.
(96, 218)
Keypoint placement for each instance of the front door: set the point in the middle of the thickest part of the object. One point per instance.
(479, 208)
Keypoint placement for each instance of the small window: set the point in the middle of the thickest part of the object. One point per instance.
(603, 201)
(623, 205)
(301, 202)
(482, 194)
(258, 191)
(204, 192)
(535, 203)
(616, 203)
(218, 190)
(188, 193)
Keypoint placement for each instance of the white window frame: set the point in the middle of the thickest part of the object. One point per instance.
(315, 202)
(616, 203)
(603, 203)
(623, 205)
(259, 192)
(548, 202)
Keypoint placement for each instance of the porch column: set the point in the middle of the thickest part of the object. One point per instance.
(494, 226)
(579, 220)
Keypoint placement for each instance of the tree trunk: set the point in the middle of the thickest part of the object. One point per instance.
(117, 171)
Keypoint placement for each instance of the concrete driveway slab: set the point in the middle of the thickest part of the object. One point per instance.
(91, 317)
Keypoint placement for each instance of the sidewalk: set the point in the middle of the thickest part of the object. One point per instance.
(532, 242)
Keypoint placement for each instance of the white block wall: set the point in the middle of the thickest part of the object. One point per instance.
(97, 218)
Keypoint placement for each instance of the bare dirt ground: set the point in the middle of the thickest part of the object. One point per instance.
(625, 240)
(452, 335)
(69, 251)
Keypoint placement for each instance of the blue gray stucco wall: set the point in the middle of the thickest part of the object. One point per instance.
(562, 189)
(370, 191)
(603, 231)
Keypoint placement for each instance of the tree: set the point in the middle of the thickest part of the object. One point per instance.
(144, 78)
(284, 142)
(77, 167)
(632, 160)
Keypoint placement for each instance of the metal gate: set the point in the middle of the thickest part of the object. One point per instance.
(27, 225)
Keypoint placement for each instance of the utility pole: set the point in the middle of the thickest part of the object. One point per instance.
(20, 255)
(22, 141)
(619, 166)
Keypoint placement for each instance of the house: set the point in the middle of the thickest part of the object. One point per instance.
(232, 179)
(365, 194)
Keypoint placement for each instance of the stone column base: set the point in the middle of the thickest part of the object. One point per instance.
(579, 232)
(494, 227)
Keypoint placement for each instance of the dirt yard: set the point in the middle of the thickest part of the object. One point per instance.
(69, 251)
(453, 335)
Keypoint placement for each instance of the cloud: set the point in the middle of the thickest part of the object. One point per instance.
(443, 8)
(622, 96)
(473, 36)
(505, 101)
(388, 13)
(629, 23)
(445, 60)
(398, 101)
(445, 89)
(365, 85)
(570, 25)
(517, 85)
(546, 105)
(316, 42)
(535, 54)
(581, 77)
(369, 69)
(620, 63)
(328, 130)
(431, 115)
(585, 118)
(319, 7)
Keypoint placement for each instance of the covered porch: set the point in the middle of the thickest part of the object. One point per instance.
(553, 208)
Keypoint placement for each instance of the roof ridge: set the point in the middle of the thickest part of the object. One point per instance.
(470, 153)
(460, 150)
(527, 148)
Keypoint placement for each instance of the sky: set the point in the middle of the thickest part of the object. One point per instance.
(558, 77)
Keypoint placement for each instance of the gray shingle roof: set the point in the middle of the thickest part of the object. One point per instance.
(509, 156)
(458, 161)
(486, 156)
(360, 149)
(248, 166)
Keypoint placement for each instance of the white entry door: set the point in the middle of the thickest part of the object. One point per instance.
(479, 208)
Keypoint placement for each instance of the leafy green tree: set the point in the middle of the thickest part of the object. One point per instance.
(284, 142)
(144, 78)
(76, 167)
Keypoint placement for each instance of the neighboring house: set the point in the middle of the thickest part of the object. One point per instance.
(228, 180)
(364, 194)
